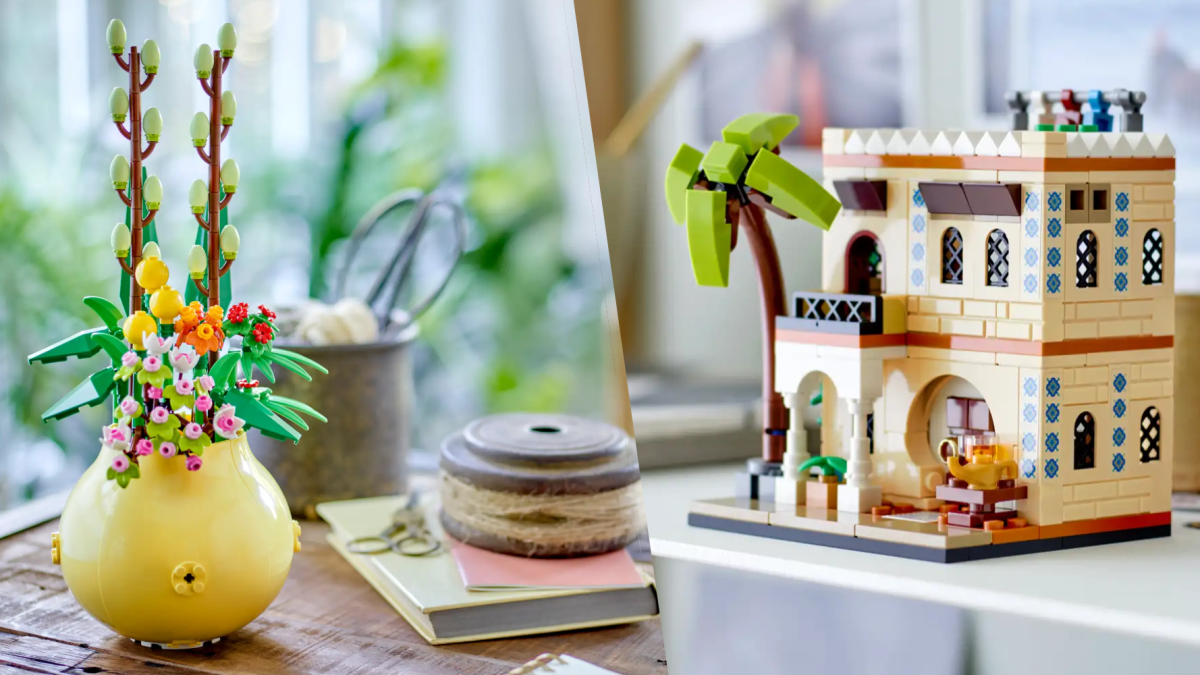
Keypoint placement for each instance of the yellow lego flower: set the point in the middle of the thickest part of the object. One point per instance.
(137, 324)
(166, 303)
(152, 273)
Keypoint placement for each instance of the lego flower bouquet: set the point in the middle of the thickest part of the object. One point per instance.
(182, 397)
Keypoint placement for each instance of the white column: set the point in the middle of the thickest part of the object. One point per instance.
(789, 488)
(858, 494)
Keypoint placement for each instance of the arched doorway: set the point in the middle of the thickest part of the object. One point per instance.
(947, 406)
(864, 265)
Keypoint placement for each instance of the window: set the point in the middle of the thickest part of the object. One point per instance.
(871, 431)
(1152, 258)
(1077, 203)
(1151, 435)
(1098, 213)
(1085, 260)
(997, 260)
(1085, 441)
(952, 257)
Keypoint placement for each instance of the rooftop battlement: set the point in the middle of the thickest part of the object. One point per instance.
(1032, 144)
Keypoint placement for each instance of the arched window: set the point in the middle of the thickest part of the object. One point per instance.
(1151, 435)
(997, 260)
(1152, 258)
(1085, 441)
(1085, 260)
(952, 257)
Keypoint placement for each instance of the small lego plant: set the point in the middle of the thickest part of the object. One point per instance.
(828, 466)
(173, 374)
(731, 185)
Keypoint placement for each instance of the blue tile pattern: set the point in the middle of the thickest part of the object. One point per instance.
(1122, 227)
(1030, 386)
(1118, 437)
(1032, 201)
(1119, 408)
(1030, 283)
(1031, 227)
(1031, 257)
(1053, 283)
(918, 223)
(1118, 462)
(1053, 387)
(1028, 468)
(1054, 228)
(1052, 442)
(1121, 256)
(918, 252)
(1119, 382)
(1052, 468)
(1028, 442)
(1054, 257)
(1055, 201)
(1030, 412)
(1122, 201)
(918, 199)
(1121, 282)
(918, 277)
(1052, 413)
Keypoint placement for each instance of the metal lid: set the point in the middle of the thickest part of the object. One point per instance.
(533, 453)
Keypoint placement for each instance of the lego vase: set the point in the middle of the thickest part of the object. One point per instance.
(179, 558)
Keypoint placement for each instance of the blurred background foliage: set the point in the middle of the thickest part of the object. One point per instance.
(519, 326)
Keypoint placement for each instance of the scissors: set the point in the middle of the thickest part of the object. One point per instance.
(397, 272)
(405, 535)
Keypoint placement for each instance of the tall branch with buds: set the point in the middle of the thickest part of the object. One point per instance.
(140, 194)
(218, 242)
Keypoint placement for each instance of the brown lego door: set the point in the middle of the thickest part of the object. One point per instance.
(968, 416)
(864, 265)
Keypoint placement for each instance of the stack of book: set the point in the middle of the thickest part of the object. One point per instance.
(466, 594)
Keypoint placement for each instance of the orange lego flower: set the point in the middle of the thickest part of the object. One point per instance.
(205, 338)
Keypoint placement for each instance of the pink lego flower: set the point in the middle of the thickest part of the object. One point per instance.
(152, 364)
(154, 393)
(193, 430)
(166, 449)
(206, 383)
(184, 387)
(194, 463)
(120, 463)
(159, 415)
(130, 407)
(129, 359)
(225, 424)
(144, 447)
(204, 403)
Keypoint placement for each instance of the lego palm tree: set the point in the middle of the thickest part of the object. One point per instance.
(728, 188)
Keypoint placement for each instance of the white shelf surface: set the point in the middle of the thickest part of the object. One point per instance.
(1145, 588)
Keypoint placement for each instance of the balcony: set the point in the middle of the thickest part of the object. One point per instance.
(845, 314)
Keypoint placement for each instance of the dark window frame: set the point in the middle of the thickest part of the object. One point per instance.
(1153, 245)
(997, 258)
(951, 255)
(1150, 437)
(1087, 260)
(1084, 432)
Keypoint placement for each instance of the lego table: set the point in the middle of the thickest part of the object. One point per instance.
(327, 619)
(1090, 587)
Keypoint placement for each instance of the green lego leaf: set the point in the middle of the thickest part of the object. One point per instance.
(708, 234)
(302, 360)
(276, 357)
(793, 190)
(133, 471)
(724, 162)
(756, 131)
(264, 367)
(286, 413)
(260, 416)
(681, 175)
(828, 466)
(112, 346)
(298, 406)
(109, 313)
(81, 345)
(223, 369)
(92, 391)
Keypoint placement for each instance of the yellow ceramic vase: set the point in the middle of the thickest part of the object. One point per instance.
(179, 558)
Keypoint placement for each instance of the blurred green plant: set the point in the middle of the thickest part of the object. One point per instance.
(516, 283)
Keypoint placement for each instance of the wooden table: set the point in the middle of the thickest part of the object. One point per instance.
(327, 619)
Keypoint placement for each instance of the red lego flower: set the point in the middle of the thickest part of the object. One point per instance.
(266, 312)
(263, 333)
(247, 384)
(239, 312)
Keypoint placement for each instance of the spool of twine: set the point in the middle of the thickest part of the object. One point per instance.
(541, 486)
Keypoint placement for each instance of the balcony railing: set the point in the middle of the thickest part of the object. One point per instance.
(839, 313)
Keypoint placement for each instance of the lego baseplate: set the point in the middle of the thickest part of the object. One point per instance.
(906, 537)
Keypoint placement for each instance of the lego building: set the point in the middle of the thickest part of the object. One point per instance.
(1015, 284)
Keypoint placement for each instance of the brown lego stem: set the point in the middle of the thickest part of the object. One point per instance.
(124, 132)
(124, 265)
(121, 61)
(225, 267)
(200, 219)
(149, 149)
(770, 286)
(203, 155)
(200, 286)
(150, 218)
(207, 88)
(225, 130)
(212, 87)
(134, 202)
(124, 199)
(226, 200)
(148, 81)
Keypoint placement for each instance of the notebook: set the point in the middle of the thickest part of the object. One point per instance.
(430, 594)
(564, 664)
(484, 570)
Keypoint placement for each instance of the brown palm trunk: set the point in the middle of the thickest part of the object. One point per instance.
(770, 287)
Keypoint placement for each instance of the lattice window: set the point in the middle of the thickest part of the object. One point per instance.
(952, 257)
(1151, 435)
(1085, 441)
(1152, 258)
(997, 262)
(1086, 255)
(871, 431)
